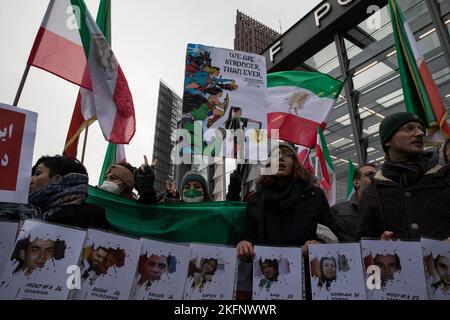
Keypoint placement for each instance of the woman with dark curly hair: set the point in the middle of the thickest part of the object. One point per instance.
(286, 207)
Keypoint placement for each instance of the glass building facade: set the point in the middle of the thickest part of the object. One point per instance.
(167, 116)
(373, 69)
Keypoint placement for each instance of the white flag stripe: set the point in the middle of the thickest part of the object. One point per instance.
(315, 108)
(64, 25)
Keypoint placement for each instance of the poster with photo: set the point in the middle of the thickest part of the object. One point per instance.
(401, 275)
(436, 258)
(225, 90)
(162, 271)
(336, 272)
(17, 135)
(41, 256)
(8, 232)
(277, 273)
(211, 273)
(108, 265)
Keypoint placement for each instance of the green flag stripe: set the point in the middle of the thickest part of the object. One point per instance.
(104, 19)
(82, 26)
(110, 158)
(319, 83)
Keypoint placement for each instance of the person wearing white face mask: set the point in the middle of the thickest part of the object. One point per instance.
(194, 188)
(122, 178)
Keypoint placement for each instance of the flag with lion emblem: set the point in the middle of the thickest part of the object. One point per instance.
(70, 45)
(299, 102)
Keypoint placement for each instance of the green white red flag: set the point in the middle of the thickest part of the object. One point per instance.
(421, 94)
(70, 45)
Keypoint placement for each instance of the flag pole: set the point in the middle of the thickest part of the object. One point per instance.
(21, 85)
(224, 182)
(307, 157)
(317, 166)
(84, 144)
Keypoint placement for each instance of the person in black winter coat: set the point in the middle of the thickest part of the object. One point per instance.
(345, 214)
(58, 190)
(410, 197)
(285, 209)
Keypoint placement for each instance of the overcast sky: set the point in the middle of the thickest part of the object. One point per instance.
(149, 39)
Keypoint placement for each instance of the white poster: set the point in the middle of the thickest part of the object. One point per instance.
(436, 258)
(336, 272)
(8, 232)
(41, 257)
(108, 266)
(212, 273)
(401, 271)
(277, 273)
(225, 90)
(162, 271)
(17, 134)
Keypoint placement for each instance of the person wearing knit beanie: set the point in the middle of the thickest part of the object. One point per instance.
(391, 124)
(194, 187)
(409, 198)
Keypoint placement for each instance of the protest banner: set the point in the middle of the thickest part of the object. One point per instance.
(43, 264)
(336, 272)
(277, 273)
(108, 266)
(162, 271)
(212, 273)
(8, 232)
(396, 270)
(225, 90)
(17, 134)
(436, 258)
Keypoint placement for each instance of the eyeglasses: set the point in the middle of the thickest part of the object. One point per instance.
(286, 154)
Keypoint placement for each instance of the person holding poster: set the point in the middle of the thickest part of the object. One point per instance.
(286, 208)
(410, 196)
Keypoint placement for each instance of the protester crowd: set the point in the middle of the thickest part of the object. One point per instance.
(407, 198)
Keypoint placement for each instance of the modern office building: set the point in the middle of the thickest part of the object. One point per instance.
(251, 35)
(354, 40)
(167, 116)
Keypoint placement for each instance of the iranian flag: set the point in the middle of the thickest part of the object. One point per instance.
(70, 45)
(299, 102)
(115, 153)
(421, 94)
(304, 158)
(325, 170)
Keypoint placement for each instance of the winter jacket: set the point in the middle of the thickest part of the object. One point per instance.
(84, 216)
(346, 217)
(423, 209)
(287, 217)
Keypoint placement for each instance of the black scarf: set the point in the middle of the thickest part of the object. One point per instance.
(407, 173)
(282, 196)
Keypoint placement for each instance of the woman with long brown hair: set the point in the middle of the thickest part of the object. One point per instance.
(286, 207)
